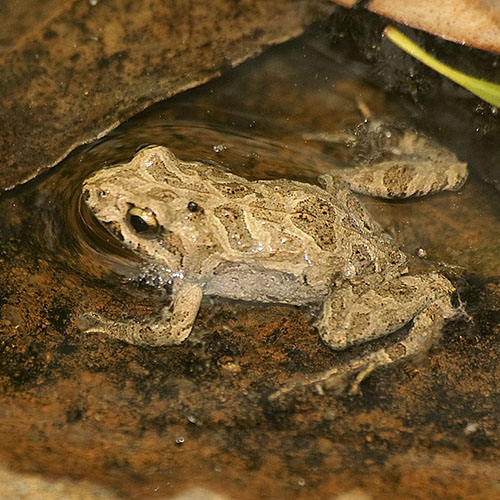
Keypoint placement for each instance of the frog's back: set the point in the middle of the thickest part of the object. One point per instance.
(280, 225)
(337, 224)
(307, 229)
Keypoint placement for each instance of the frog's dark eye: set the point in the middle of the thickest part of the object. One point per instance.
(193, 206)
(142, 221)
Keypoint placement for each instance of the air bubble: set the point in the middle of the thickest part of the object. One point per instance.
(421, 252)
(219, 148)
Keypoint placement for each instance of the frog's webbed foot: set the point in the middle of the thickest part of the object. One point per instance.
(350, 319)
(172, 327)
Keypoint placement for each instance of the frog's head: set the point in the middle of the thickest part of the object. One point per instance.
(147, 205)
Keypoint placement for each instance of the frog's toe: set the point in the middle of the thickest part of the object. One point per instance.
(91, 322)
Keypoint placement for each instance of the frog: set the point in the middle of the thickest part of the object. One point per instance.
(209, 232)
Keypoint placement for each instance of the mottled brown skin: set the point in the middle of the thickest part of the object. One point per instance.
(210, 232)
(414, 166)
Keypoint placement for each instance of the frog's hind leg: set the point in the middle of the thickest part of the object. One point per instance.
(420, 167)
(370, 309)
(172, 327)
(424, 299)
(393, 180)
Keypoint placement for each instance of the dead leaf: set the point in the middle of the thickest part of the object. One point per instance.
(475, 23)
(468, 22)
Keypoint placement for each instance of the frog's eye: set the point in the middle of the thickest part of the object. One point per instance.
(143, 221)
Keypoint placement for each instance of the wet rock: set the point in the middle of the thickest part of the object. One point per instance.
(91, 65)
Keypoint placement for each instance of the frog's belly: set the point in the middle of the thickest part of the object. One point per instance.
(252, 283)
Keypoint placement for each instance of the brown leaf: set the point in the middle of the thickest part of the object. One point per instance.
(469, 22)
(475, 23)
(88, 68)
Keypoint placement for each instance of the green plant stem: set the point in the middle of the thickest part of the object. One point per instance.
(488, 91)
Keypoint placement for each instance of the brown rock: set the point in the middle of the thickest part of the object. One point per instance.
(88, 68)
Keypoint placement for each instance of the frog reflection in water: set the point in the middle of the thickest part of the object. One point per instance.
(211, 232)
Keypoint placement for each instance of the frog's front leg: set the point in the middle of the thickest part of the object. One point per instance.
(172, 327)
(355, 315)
